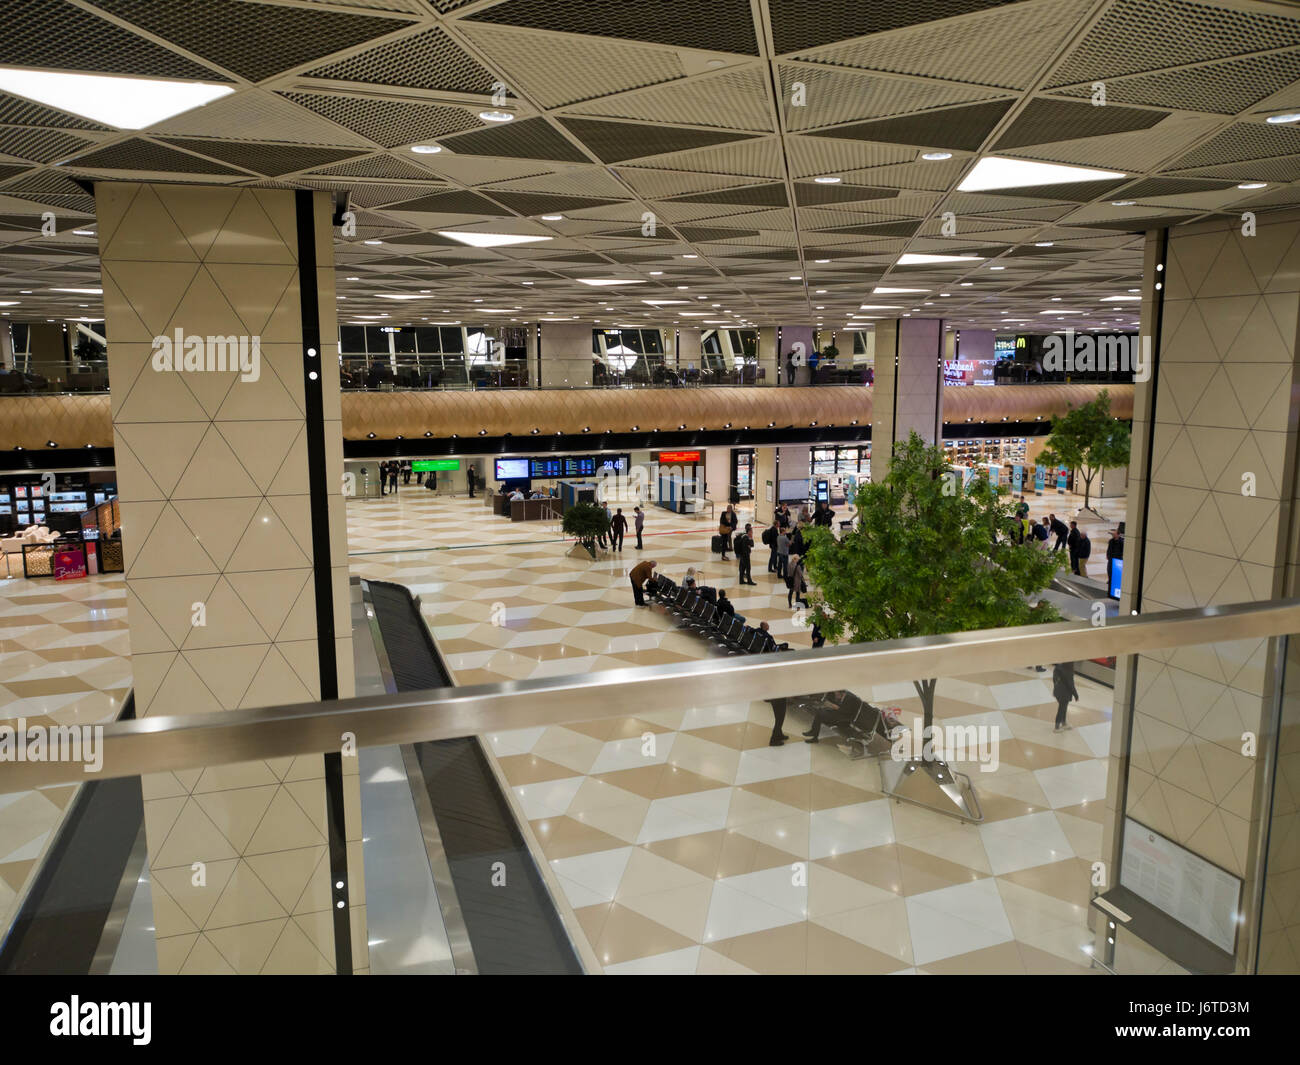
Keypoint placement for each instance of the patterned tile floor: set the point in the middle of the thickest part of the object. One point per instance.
(685, 861)
(681, 862)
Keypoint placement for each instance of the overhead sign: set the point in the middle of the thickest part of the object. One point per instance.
(679, 456)
(429, 465)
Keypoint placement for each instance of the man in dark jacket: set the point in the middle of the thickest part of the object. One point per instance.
(726, 608)
(1114, 550)
(744, 544)
(471, 479)
(617, 527)
(769, 537)
(1058, 529)
(1063, 690)
(1072, 544)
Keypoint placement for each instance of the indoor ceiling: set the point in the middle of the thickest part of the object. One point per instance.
(691, 111)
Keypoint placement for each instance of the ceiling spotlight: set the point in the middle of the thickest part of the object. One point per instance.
(482, 432)
(1253, 185)
(495, 116)
(1278, 120)
(936, 157)
(828, 180)
(426, 149)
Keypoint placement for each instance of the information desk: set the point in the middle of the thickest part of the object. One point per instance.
(530, 509)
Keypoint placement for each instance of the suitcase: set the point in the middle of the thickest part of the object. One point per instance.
(719, 544)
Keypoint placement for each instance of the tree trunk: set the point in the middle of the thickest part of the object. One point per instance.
(925, 689)
(1087, 487)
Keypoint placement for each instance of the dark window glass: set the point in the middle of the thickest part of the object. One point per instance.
(426, 340)
(451, 339)
(404, 342)
(352, 339)
(595, 341)
(19, 334)
(710, 344)
(376, 340)
(652, 341)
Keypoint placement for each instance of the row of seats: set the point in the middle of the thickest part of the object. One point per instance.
(698, 612)
(863, 727)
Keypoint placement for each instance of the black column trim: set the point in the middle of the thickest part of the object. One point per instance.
(322, 575)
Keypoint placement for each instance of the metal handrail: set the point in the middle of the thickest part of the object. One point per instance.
(161, 743)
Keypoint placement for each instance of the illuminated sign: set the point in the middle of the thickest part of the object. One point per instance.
(429, 465)
(679, 456)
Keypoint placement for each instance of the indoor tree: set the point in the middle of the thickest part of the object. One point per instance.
(1088, 439)
(588, 522)
(926, 556)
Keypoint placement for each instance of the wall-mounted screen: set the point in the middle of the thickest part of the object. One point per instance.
(795, 490)
(584, 466)
(512, 469)
(548, 467)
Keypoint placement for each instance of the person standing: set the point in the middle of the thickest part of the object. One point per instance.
(1072, 545)
(392, 477)
(796, 541)
(769, 537)
(419, 477)
(1114, 550)
(783, 554)
(383, 478)
(639, 525)
(744, 545)
(789, 368)
(727, 528)
(1084, 551)
(406, 471)
(641, 573)
(778, 719)
(1064, 690)
(617, 527)
(471, 479)
(797, 583)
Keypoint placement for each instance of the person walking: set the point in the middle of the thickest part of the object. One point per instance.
(783, 554)
(1114, 550)
(744, 545)
(617, 527)
(471, 479)
(638, 524)
(1064, 690)
(392, 477)
(641, 573)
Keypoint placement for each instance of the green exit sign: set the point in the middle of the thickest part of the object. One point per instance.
(429, 465)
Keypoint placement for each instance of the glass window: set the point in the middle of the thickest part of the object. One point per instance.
(595, 341)
(652, 342)
(426, 340)
(404, 341)
(451, 339)
(736, 346)
(18, 330)
(823, 461)
(352, 339)
(710, 344)
(376, 340)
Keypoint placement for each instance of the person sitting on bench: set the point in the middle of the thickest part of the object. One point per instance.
(828, 713)
(725, 605)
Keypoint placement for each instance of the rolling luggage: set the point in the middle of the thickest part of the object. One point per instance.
(719, 544)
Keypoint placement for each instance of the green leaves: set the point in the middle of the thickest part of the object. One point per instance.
(586, 521)
(921, 561)
(1088, 439)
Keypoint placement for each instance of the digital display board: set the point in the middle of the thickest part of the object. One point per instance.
(512, 469)
(676, 457)
(430, 465)
(548, 467)
(584, 466)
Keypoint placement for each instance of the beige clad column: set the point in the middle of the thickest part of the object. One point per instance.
(6, 345)
(908, 391)
(566, 358)
(1212, 519)
(236, 560)
(770, 360)
(689, 352)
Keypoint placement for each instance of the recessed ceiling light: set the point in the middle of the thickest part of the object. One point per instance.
(354, 279)
(964, 284)
(9, 303)
(604, 282)
(663, 303)
(1122, 203)
(91, 232)
(885, 290)
(690, 256)
(997, 267)
(552, 217)
(128, 103)
(998, 173)
(1253, 185)
(495, 116)
(936, 157)
(821, 260)
(490, 240)
(828, 180)
(395, 296)
(426, 149)
(1277, 120)
(81, 291)
(372, 242)
(880, 307)
(1121, 299)
(1042, 244)
(655, 273)
(915, 259)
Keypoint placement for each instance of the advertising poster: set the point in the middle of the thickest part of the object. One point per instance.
(1017, 479)
(1040, 478)
(69, 565)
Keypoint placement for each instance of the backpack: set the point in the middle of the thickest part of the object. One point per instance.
(768, 537)
(1084, 548)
